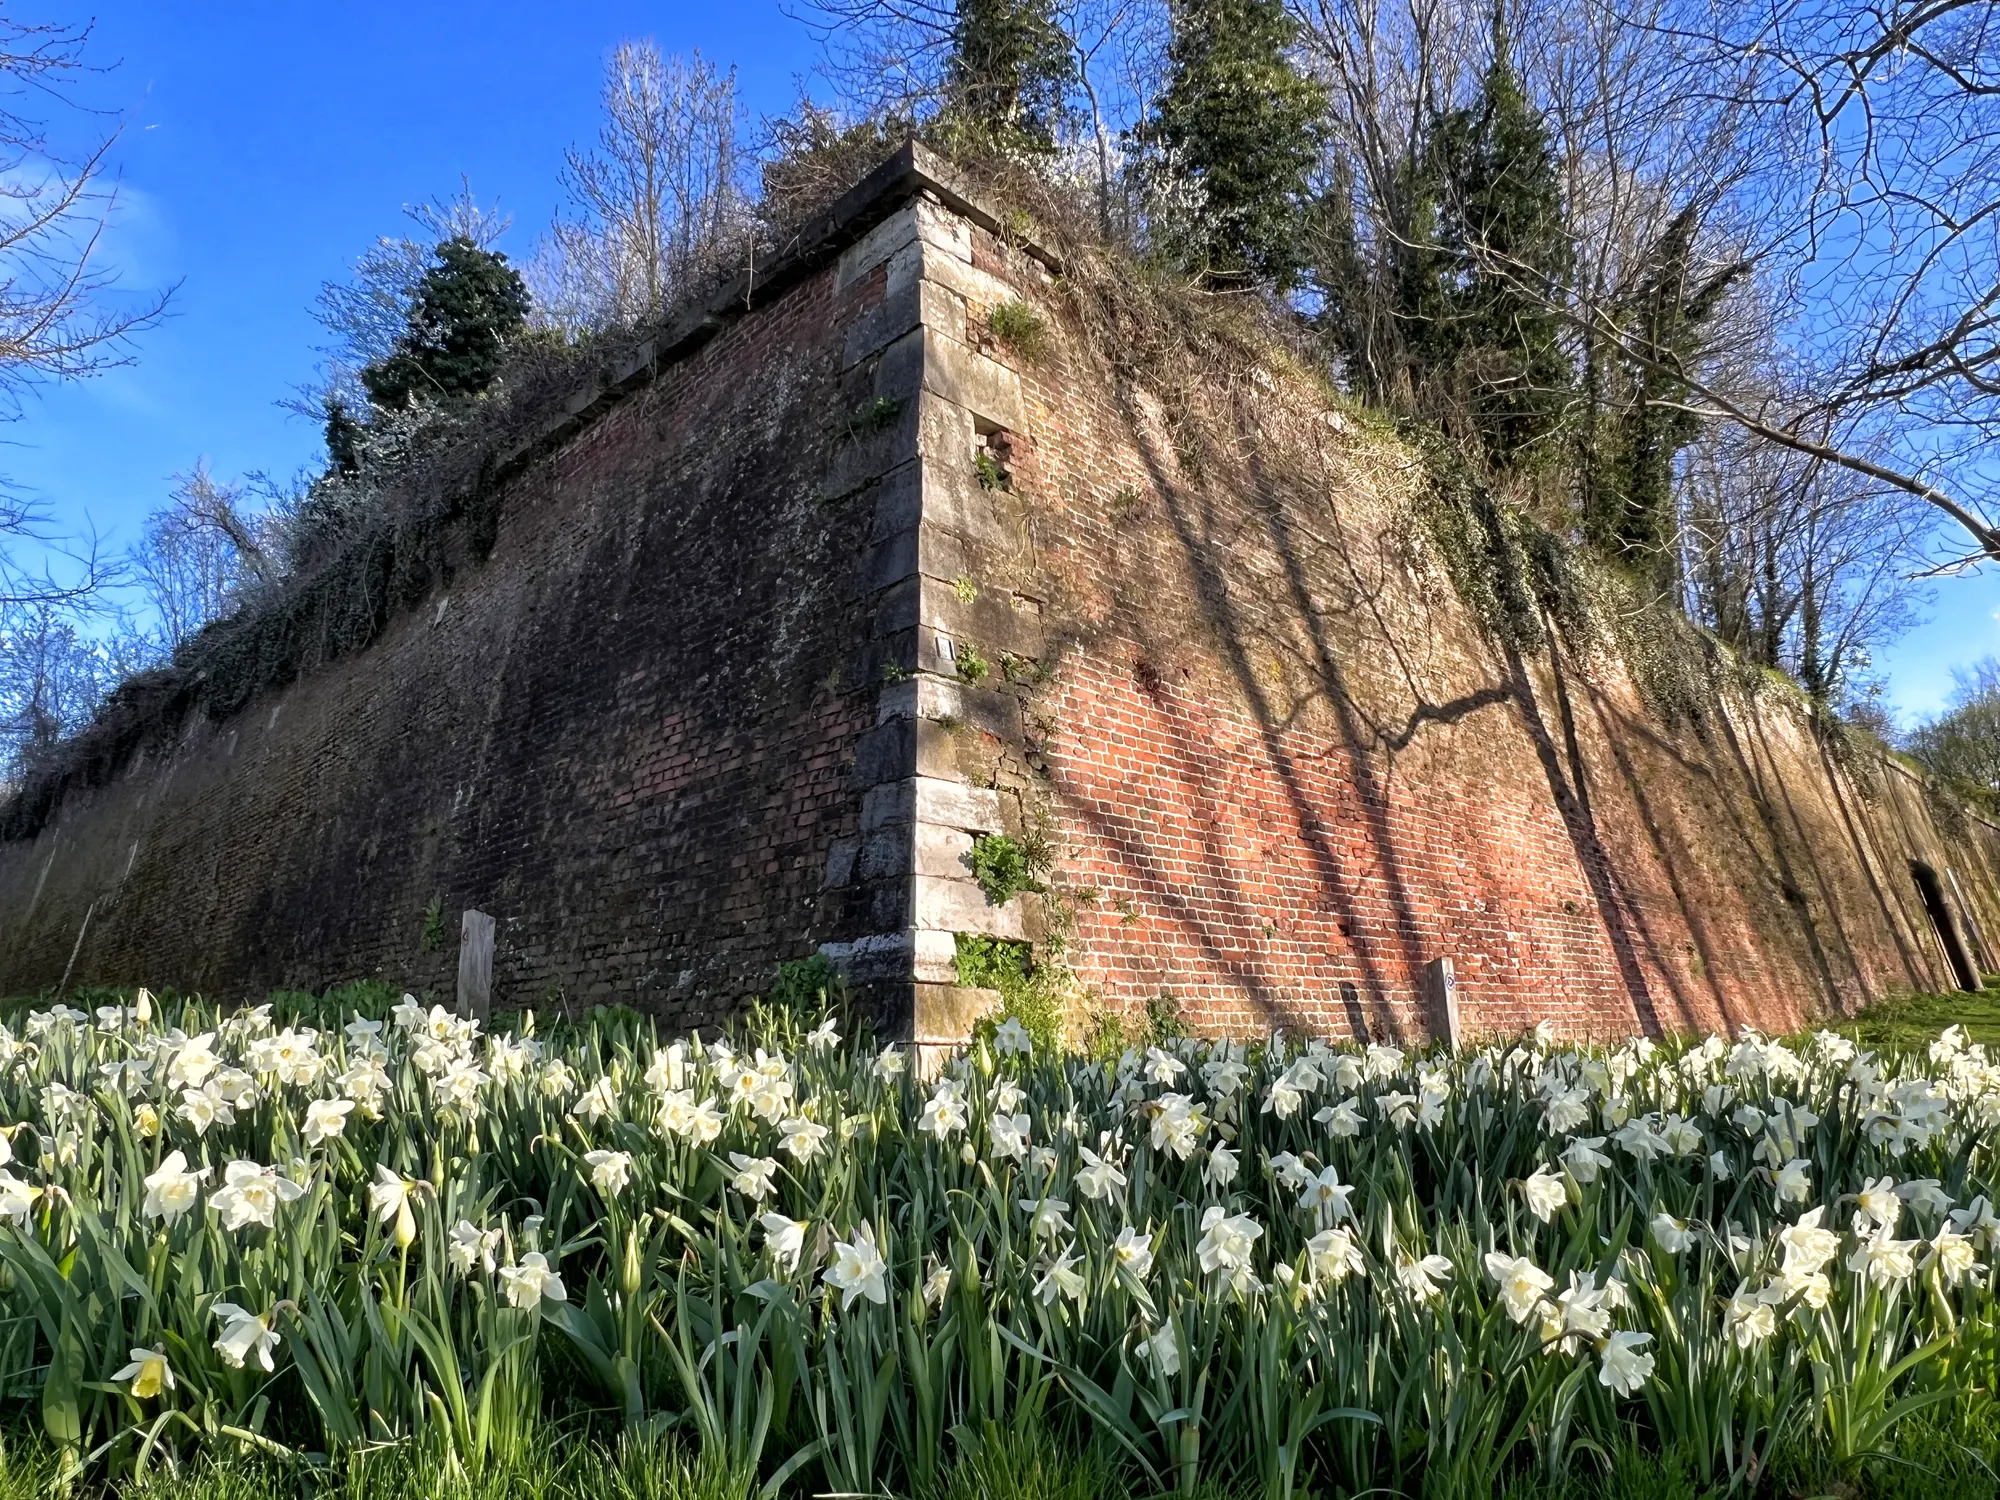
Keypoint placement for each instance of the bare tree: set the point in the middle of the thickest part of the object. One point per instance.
(61, 317)
(660, 200)
(53, 675)
(197, 554)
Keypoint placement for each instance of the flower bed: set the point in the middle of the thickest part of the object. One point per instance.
(1275, 1266)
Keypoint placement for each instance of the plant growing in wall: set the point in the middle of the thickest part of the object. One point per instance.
(1005, 866)
(431, 939)
(1020, 328)
(972, 667)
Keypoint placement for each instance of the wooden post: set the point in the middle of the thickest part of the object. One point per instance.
(1441, 989)
(475, 965)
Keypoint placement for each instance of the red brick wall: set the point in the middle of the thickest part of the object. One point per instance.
(1287, 770)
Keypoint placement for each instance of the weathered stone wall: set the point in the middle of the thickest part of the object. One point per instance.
(759, 654)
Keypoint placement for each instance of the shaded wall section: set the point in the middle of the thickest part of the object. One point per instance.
(629, 734)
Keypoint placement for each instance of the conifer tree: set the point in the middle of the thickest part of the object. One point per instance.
(1241, 125)
(1490, 254)
(468, 306)
(1009, 74)
(1636, 425)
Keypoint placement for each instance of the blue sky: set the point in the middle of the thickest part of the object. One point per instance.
(265, 145)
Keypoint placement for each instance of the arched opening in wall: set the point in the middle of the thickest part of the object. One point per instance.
(1932, 891)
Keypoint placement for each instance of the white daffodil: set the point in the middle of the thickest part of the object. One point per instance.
(1009, 1136)
(1671, 1234)
(1226, 1241)
(1099, 1177)
(245, 1336)
(471, 1246)
(944, 1113)
(1807, 1246)
(785, 1239)
(1133, 1251)
(1584, 1159)
(1545, 1194)
(1751, 1317)
(171, 1188)
(532, 1282)
(1060, 1278)
(858, 1270)
(1047, 1217)
(1220, 1168)
(1011, 1039)
(801, 1139)
(610, 1171)
(389, 1198)
(755, 1176)
(1954, 1255)
(1327, 1196)
(937, 1286)
(1162, 1352)
(1522, 1283)
(1334, 1255)
(1876, 1206)
(1625, 1365)
(250, 1194)
(326, 1119)
(1884, 1261)
(1422, 1277)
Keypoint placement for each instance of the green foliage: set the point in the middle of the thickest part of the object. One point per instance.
(1031, 993)
(878, 415)
(809, 986)
(469, 305)
(431, 939)
(1960, 748)
(1021, 328)
(991, 475)
(972, 667)
(1627, 459)
(1233, 140)
(1009, 76)
(1489, 243)
(1003, 865)
(1163, 1019)
(1913, 1020)
(1511, 572)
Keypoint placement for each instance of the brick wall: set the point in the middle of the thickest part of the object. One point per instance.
(629, 734)
(1287, 771)
(758, 656)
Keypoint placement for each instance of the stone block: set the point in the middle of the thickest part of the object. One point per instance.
(878, 245)
(930, 800)
(983, 386)
(960, 906)
(946, 1013)
(940, 851)
(993, 619)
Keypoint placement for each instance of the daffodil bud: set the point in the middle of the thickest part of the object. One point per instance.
(406, 1225)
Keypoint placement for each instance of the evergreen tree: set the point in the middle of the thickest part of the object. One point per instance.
(1010, 73)
(469, 304)
(343, 437)
(1636, 429)
(1490, 253)
(1241, 125)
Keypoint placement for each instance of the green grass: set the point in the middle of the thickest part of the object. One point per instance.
(1912, 1020)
